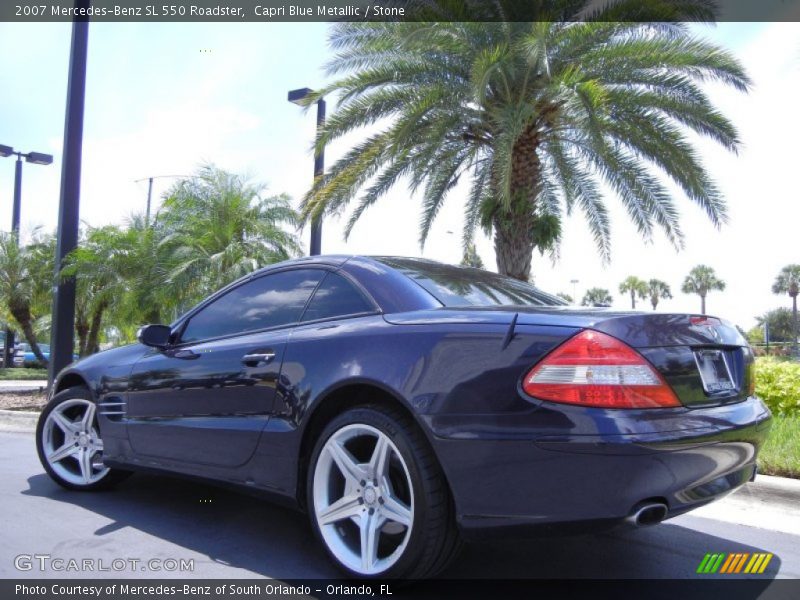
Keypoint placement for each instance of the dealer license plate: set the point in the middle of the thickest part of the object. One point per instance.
(714, 371)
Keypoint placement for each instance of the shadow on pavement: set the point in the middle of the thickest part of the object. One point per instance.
(250, 533)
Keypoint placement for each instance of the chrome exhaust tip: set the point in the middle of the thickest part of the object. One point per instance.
(651, 513)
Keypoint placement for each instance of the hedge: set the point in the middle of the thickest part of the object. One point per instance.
(778, 385)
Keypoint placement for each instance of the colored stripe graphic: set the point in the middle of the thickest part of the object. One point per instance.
(740, 564)
(711, 563)
(767, 558)
(727, 566)
(734, 563)
(754, 562)
(702, 567)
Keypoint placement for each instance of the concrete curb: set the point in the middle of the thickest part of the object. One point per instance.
(20, 385)
(776, 491)
(767, 503)
(18, 421)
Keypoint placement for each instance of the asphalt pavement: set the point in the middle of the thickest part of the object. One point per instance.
(230, 535)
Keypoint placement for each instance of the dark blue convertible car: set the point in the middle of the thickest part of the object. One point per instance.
(407, 405)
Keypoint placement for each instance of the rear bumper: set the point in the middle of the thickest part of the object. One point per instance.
(578, 481)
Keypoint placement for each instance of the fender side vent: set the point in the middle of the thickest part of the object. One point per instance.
(112, 408)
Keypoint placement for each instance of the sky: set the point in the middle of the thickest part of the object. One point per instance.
(164, 98)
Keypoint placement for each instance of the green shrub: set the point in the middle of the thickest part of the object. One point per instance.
(778, 385)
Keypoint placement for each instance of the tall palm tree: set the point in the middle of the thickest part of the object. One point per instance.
(597, 297)
(701, 280)
(21, 290)
(658, 290)
(635, 287)
(788, 282)
(536, 115)
(219, 227)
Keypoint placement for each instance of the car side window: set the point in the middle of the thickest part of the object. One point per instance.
(336, 297)
(268, 301)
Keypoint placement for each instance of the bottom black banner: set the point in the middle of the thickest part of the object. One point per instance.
(232, 589)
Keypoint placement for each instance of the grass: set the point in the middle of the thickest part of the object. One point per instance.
(780, 455)
(22, 374)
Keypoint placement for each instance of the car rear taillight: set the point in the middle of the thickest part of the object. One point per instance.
(595, 369)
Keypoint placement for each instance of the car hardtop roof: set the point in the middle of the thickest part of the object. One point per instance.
(340, 259)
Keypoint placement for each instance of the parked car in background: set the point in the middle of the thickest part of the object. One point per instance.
(24, 356)
(407, 404)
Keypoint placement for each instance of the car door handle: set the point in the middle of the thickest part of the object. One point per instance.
(185, 354)
(258, 358)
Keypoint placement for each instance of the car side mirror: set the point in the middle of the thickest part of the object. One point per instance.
(157, 336)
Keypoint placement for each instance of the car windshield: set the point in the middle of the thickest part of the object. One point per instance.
(464, 286)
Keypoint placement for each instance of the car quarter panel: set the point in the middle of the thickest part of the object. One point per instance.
(442, 374)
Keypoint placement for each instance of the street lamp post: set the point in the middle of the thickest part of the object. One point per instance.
(63, 319)
(297, 97)
(36, 158)
(574, 283)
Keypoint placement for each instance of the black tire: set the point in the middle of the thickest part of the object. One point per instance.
(111, 478)
(434, 540)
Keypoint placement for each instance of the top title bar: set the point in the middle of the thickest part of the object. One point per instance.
(145, 11)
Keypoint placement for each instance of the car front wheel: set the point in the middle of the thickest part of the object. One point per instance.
(69, 443)
(377, 497)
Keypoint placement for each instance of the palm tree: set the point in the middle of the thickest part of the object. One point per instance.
(21, 289)
(536, 115)
(788, 282)
(471, 257)
(635, 287)
(597, 297)
(219, 227)
(778, 323)
(102, 281)
(658, 290)
(701, 280)
(121, 275)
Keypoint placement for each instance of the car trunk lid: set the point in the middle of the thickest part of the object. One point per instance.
(704, 359)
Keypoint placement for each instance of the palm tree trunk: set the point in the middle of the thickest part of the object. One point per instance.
(702, 304)
(513, 247)
(514, 238)
(92, 343)
(654, 301)
(633, 299)
(82, 329)
(22, 315)
(794, 323)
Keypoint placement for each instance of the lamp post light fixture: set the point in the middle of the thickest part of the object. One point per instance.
(36, 158)
(298, 97)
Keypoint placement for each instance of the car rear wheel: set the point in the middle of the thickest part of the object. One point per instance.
(377, 498)
(69, 443)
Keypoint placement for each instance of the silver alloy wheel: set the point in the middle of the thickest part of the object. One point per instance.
(72, 444)
(363, 499)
